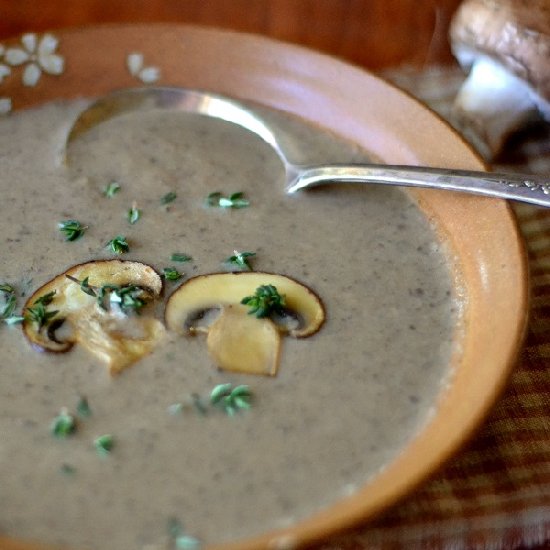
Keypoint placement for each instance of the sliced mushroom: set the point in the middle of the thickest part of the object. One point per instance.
(242, 343)
(506, 47)
(238, 341)
(87, 297)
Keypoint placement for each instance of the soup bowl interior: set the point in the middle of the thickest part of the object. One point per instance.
(488, 256)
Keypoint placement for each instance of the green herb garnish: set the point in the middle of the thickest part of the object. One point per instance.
(64, 424)
(128, 298)
(179, 538)
(10, 301)
(118, 244)
(231, 399)
(38, 314)
(171, 274)
(104, 444)
(180, 257)
(168, 198)
(46, 299)
(235, 200)
(83, 407)
(111, 189)
(265, 301)
(240, 260)
(72, 229)
(134, 214)
(85, 286)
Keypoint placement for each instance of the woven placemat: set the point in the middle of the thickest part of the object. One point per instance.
(496, 493)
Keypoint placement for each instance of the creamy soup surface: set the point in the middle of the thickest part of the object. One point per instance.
(344, 401)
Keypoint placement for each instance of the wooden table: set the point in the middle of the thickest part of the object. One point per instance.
(371, 33)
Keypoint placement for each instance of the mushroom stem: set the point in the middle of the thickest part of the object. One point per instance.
(491, 104)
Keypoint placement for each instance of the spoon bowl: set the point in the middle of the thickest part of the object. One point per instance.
(526, 188)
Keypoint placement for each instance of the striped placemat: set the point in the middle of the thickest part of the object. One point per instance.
(495, 495)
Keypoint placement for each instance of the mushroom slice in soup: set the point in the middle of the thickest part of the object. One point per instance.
(98, 305)
(254, 310)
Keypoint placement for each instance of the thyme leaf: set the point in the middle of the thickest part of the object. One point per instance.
(64, 424)
(240, 260)
(168, 198)
(83, 407)
(134, 214)
(235, 200)
(172, 274)
(180, 257)
(118, 244)
(265, 301)
(72, 229)
(86, 288)
(104, 444)
(46, 299)
(111, 189)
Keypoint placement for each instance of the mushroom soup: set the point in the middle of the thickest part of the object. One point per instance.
(98, 450)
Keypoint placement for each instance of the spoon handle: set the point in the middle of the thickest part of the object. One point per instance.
(526, 188)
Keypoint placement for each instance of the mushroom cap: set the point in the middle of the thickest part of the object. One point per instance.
(514, 33)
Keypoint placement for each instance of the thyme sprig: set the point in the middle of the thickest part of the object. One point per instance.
(226, 397)
(231, 399)
(240, 260)
(129, 298)
(72, 229)
(235, 200)
(38, 313)
(118, 245)
(265, 301)
(9, 303)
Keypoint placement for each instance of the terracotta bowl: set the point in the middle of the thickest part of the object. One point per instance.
(393, 127)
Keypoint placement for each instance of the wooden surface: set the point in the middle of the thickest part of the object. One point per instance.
(371, 33)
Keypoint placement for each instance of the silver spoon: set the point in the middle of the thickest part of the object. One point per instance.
(526, 188)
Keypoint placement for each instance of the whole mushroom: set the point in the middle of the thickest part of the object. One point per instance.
(505, 44)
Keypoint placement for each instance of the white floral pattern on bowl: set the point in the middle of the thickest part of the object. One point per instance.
(135, 65)
(39, 55)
